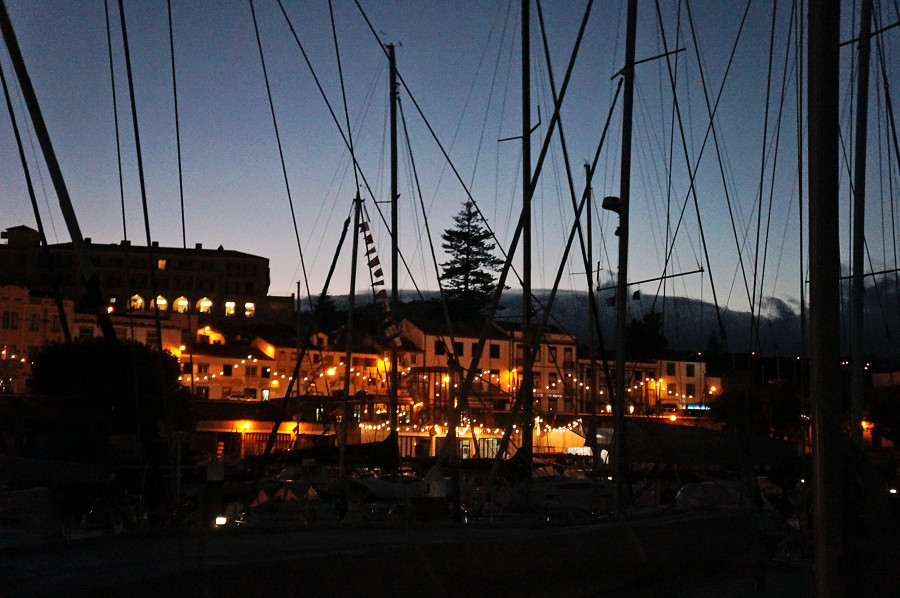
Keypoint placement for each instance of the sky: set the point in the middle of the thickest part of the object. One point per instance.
(460, 63)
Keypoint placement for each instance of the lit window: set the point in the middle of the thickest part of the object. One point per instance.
(161, 303)
(249, 309)
(229, 308)
(160, 264)
(204, 305)
(181, 305)
(137, 302)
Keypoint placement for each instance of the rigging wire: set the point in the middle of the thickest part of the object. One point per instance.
(154, 289)
(776, 144)
(112, 79)
(180, 174)
(45, 250)
(287, 183)
(755, 307)
(692, 191)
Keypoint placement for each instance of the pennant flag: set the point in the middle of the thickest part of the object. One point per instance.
(378, 273)
(374, 262)
(369, 240)
(378, 282)
(364, 226)
(636, 296)
(371, 250)
(382, 294)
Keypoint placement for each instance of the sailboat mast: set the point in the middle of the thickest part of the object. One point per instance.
(527, 342)
(859, 236)
(824, 298)
(395, 228)
(622, 282)
(348, 355)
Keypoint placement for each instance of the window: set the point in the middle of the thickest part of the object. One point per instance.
(265, 394)
(265, 372)
(251, 371)
(568, 357)
(226, 369)
(54, 324)
(202, 368)
(34, 322)
(690, 389)
(204, 305)
(229, 308)
(495, 351)
(689, 370)
(250, 392)
(137, 302)
(458, 349)
(181, 305)
(10, 320)
(160, 264)
(161, 303)
(249, 309)
(202, 392)
(553, 354)
(670, 369)
(186, 367)
(439, 348)
(672, 389)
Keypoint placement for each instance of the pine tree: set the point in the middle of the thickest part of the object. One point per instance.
(469, 273)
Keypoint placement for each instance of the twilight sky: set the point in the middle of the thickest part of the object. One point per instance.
(460, 60)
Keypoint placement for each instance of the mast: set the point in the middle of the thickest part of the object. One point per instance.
(592, 323)
(527, 342)
(824, 298)
(395, 228)
(622, 282)
(857, 291)
(351, 305)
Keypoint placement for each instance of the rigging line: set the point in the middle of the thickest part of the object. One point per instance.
(88, 274)
(433, 134)
(491, 89)
(337, 53)
(889, 106)
(776, 142)
(535, 348)
(154, 289)
(287, 184)
(712, 128)
(334, 117)
(798, 56)
(301, 353)
(45, 249)
(592, 300)
(692, 190)
(112, 77)
(671, 161)
(754, 307)
(180, 170)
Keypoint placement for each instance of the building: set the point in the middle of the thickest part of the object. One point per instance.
(27, 323)
(215, 284)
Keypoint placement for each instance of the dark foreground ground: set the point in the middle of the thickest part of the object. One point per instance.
(680, 556)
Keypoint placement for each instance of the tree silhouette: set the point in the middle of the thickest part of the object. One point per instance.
(644, 338)
(469, 274)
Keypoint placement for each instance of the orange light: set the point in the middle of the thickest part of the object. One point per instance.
(672, 418)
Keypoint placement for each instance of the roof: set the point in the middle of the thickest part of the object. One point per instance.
(228, 351)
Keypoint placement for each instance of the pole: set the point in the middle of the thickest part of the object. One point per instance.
(527, 342)
(824, 297)
(857, 290)
(395, 228)
(348, 354)
(622, 282)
